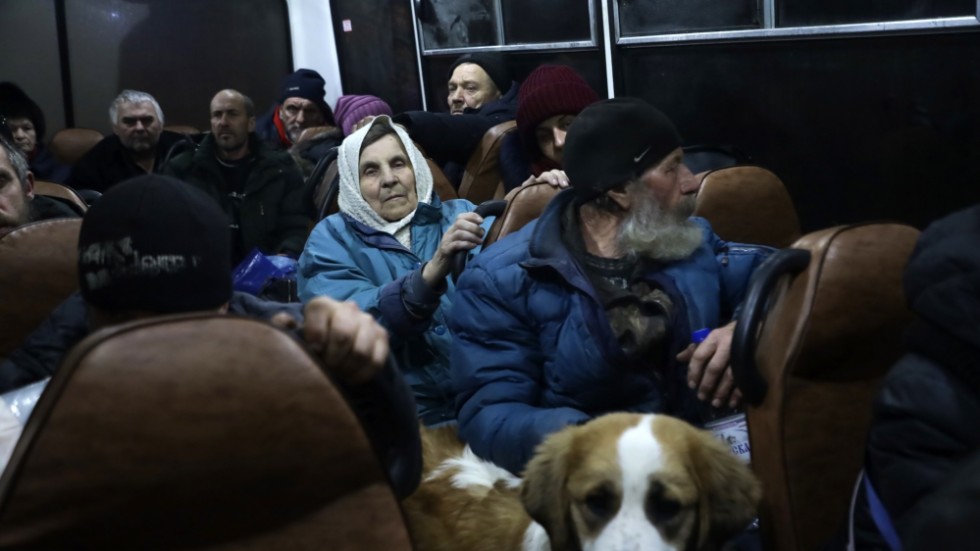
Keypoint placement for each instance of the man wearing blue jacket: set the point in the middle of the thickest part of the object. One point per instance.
(590, 308)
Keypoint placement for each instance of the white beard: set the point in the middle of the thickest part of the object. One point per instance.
(651, 232)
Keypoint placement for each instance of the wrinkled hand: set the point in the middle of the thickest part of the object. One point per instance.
(352, 345)
(465, 234)
(709, 370)
(556, 177)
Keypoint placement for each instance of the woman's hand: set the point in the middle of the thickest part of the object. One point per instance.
(465, 234)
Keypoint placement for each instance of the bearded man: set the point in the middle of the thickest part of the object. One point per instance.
(590, 309)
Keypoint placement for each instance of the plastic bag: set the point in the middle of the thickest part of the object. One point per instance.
(268, 277)
(16, 407)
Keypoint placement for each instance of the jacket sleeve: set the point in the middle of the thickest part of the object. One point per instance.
(294, 211)
(328, 267)
(41, 353)
(444, 137)
(917, 438)
(736, 262)
(496, 369)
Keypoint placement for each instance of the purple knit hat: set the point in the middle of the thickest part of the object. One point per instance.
(548, 91)
(351, 109)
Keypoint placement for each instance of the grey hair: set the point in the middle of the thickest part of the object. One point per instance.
(649, 230)
(133, 97)
(17, 160)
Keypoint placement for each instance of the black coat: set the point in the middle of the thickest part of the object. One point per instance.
(449, 140)
(107, 164)
(927, 415)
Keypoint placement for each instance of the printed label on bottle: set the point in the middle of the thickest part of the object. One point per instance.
(734, 432)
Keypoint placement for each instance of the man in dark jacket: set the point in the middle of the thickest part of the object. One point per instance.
(481, 96)
(301, 105)
(18, 203)
(261, 190)
(926, 419)
(138, 145)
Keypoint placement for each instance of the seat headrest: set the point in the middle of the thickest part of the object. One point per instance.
(193, 431)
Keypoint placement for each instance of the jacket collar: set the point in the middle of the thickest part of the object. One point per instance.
(425, 214)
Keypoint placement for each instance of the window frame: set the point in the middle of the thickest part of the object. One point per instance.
(770, 31)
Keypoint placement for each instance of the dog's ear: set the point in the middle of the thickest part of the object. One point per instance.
(544, 492)
(730, 491)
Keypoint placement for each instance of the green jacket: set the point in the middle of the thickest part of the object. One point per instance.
(273, 210)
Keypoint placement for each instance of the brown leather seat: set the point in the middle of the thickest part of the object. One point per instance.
(748, 204)
(38, 270)
(54, 189)
(831, 331)
(481, 179)
(70, 144)
(182, 129)
(523, 205)
(195, 432)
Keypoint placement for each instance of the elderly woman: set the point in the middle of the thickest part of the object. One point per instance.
(389, 250)
(26, 121)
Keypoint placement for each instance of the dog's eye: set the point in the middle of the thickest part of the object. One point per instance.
(600, 502)
(661, 508)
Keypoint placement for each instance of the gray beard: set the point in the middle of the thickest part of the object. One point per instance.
(649, 231)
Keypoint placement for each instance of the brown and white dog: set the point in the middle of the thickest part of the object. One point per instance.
(621, 482)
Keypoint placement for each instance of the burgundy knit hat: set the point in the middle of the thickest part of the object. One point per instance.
(548, 91)
(351, 109)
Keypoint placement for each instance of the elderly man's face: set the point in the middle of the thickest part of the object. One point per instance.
(15, 200)
(25, 136)
(658, 205)
(230, 124)
(671, 183)
(138, 127)
(387, 179)
(470, 86)
(298, 114)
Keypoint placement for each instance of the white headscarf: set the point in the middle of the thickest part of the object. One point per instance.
(351, 201)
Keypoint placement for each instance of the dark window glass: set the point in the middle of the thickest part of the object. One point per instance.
(180, 51)
(457, 23)
(543, 21)
(378, 56)
(798, 13)
(858, 129)
(646, 17)
(31, 58)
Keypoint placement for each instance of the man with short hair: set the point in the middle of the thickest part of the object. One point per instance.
(18, 203)
(481, 96)
(139, 144)
(591, 308)
(260, 189)
(301, 105)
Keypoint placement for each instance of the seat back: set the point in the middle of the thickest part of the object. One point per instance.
(38, 270)
(811, 346)
(524, 204)
(748, 204)
(481, 179)
(184, 129)
(69, 144)
(61, 191)
(195, 432)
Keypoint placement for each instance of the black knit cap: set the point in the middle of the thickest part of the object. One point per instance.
(614, 140)
(16, 104)
(155, 243)
(493, 64)
(309, 85)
